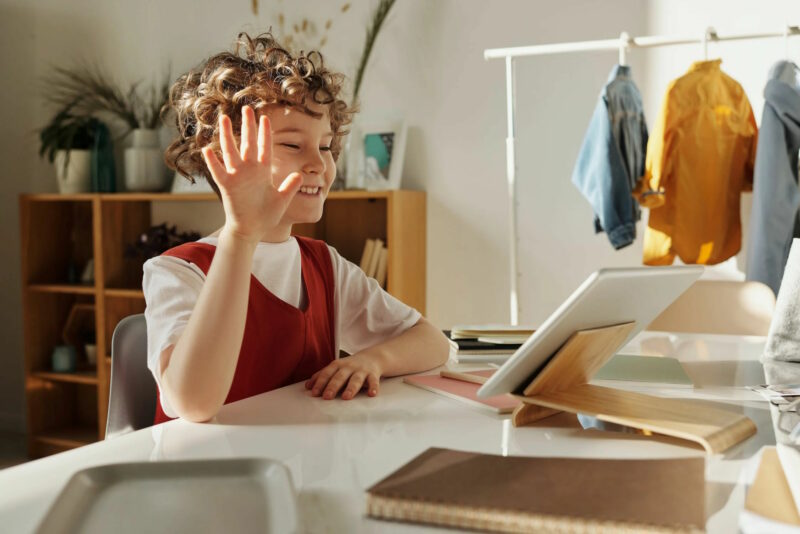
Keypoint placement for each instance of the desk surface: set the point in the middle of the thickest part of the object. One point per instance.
(337, 449)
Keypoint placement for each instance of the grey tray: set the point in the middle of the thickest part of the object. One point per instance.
(230, 496)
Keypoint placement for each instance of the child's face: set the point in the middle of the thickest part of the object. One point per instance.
(301, 143)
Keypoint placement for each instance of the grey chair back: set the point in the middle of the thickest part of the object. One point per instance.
(132, 395)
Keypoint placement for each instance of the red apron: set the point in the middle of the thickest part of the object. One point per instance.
(282, 344)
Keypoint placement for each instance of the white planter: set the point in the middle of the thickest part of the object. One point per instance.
(144, 138)
(144, 163)
(76, 177)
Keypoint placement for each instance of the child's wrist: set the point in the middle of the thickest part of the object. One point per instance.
(232, 239)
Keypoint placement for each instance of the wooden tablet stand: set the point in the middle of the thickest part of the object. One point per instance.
(562, 386)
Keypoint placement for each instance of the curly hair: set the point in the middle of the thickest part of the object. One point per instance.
(259, 72)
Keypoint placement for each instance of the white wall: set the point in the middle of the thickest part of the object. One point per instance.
(428, 67)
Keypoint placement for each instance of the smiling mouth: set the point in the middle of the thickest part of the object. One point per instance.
(310, 191)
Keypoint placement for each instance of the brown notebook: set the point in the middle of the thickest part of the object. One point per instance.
(523, 494)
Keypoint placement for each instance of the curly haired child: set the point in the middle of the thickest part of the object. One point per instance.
(252, 308)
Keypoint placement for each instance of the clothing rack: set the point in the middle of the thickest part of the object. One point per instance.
(622, 45)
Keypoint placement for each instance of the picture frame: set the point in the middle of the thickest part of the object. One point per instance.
(375, 155)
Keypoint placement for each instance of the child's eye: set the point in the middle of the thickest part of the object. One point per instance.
(325, 148)
(288, 145)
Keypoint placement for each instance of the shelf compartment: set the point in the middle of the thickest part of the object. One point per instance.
(66, 438)
(57, 241)
(122, 224)
(50, 313)
(62, 415)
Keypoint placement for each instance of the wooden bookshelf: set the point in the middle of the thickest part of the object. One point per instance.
(68, 410)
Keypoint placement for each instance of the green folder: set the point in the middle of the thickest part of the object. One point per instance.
(643, 370)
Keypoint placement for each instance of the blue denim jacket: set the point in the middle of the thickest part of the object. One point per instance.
(776, 197)
(612, 156)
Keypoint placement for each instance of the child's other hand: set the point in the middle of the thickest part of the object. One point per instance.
(351, 373)
(253, 205)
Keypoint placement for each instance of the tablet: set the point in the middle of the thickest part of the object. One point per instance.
(608, 297)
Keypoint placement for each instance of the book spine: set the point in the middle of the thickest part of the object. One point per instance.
(366, 256)
(499, 520)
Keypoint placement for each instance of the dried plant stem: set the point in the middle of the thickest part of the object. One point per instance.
(378, 17)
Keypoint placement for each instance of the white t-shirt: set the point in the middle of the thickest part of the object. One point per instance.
(365, 314)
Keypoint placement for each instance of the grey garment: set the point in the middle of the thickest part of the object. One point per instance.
(611, 158)
(776, 197)
(783, 340)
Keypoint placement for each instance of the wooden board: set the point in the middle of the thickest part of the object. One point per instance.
(580, 358)
(713, 428)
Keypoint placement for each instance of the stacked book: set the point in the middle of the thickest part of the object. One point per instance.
(374, 259)
(490, 343)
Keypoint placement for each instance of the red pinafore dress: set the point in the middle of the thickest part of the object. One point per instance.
(282, 344)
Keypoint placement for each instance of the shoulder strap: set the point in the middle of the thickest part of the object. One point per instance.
(200, 254)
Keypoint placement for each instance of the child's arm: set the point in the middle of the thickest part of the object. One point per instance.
(198, 370)
(419, 348)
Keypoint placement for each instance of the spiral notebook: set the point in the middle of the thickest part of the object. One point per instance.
(526, 494)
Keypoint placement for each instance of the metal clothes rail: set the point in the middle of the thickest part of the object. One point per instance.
(622, 44)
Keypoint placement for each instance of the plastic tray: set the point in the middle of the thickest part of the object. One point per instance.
(230, 496)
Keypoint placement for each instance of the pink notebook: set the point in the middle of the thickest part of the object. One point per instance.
(463, 391)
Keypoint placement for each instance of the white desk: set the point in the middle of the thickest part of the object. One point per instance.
(337, 449)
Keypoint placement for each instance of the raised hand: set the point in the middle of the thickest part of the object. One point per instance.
(253, 205)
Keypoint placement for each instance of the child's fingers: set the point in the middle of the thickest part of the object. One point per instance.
(372, 385)
(354, 386)
(310, 381)
(290, 186)
(322, 379)
(264, 140)
(248, 150)
(228, 144)
(335, 383)
(215, 166)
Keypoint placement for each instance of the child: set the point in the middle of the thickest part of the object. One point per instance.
(251, 308)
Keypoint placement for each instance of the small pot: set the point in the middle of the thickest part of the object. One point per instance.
(76, 176)
(144, 162)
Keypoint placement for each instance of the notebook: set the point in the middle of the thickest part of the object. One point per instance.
(463, 391)
(489, 330)
(526, 494)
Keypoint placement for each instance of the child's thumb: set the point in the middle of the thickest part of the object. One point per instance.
(291, 184)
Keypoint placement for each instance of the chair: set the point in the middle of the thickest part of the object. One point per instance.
(720, 307)
(132, 395)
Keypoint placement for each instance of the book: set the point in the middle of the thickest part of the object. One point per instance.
(653, 371)
(366, 256)
(504, 340)
(380, 274)
(489, 330)
(471, 490)
(372, 267)
(474, 346)
(463, 391)
(484, 358)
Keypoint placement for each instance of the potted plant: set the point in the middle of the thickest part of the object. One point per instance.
(67, 141)
(93, 92)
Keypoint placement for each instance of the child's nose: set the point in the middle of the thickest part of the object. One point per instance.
(314, 164)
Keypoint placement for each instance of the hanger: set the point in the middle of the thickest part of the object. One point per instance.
(624, 42)
(709, 35)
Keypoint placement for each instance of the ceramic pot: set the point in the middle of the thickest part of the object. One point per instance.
(76, 176)
(144, 162)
